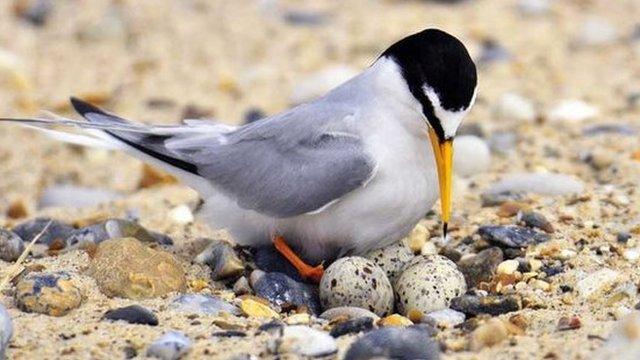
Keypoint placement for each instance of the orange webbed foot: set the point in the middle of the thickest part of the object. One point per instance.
(308, 272)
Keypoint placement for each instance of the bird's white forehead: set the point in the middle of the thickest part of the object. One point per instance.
(449, 119)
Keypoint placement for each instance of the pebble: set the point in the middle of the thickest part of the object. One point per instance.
(573, 111)
(391, 259)
(631, 255)
(75, 196)
(113, 229)
(489, 334)
(623, 237)
(502, 142)
(319, 83)
(407, 343)
(133, 314)
(6, 330)
(348, 312)
(472, 155)
(624, 341)
(127, 268)
(254, 308)
(512, 235)
(298, 319)
(596, 32)
(490, 304)
(253, 115)
(512, 106)
(596, 283)
(534, 7)
(568, 323)
(304, 341)
(356, 281)
(36, 12)
(428, 284)
(417, 238)
(354, 326)
(202, 304)
(283, 291)
(610, 129)
(242, 286)
(508, 267)
(536, 220)
(304, 18)
(57, 231)
(395, 320)
(181, 215)
(49, 293)
(446, 318)
(492, 51)
(499, 198)
(170, 346)
(538, 183)
(11, 245)
(222, 260)
(480, 267)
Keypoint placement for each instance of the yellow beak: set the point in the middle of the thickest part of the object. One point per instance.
(443, 152)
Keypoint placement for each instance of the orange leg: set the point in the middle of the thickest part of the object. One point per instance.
(306, 271)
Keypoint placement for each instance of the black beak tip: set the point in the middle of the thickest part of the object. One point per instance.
(445, 226)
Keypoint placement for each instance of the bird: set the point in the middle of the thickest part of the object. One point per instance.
(351, 171)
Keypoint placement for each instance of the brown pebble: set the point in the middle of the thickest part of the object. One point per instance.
(509, 209)
(569, 323)
(17, 210)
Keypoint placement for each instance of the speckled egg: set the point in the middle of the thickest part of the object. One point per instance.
(356, 281)
(427, 284)
(391, 258)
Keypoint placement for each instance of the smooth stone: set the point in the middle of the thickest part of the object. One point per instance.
(56, 231)
(242, 286)
(134, 314)
(11, 245)
(472, 155)
(492, 52)
(257, 308)
(502, 142)
(512, 235)
(428, 284)
(170, 346)
(595, 284)
(283, 291)
(624, 341)
(480, 267)
(534, 7)
(495, 199)
(75, 196)
(304, 341)
(395, 320)
(391, 258)
(354, 326)
(202, 304)
(596, 32)
(445, 318)
(538, 183)
(512, 106)
(112, 229)
(573, 111)
(127, 268)
(408, 343)
(491, 304)
(6, 330)
(536, 220)
(349, 312)
(49, 293)
(222, 260)
(319, 83)
(610, 129)
(356, 281)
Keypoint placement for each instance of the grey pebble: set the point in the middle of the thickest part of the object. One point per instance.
(204, 304)
(31, 228)
(11, 245)
(490, 304)
(398, 343)
(134, 314)
(222, 260)
(283, 291)
(354, 326)
(170, 346)
(480, 267)
(499, 198)
(493, 52)
(350, 312)
(113, 229)
(536, 220)
(502, 142)
(445, 317)
(609, 129)
(512, 235)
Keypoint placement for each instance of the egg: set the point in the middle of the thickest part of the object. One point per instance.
(428, 283)
(391, 258)
(356, 281)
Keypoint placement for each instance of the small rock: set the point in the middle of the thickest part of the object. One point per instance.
(428, 284)
(624, 341)
(253, 115)
(170, 346)
(490, 304)
(254, 308)
(395, 320)
(573, 111)
(283, 291)
(304, 18)
(489, 334)
(610, 129)
(512, 235)
(202, 304)
(569, 323)
(127, 268)
(36, 12)
(512, 106)
(480, 267)
(417, 238)
(596, 32)
(502, 142)
(298, 319)
(11, 245)
(413, 342)
(50, 293)
(538, 183)
(623, 237)
(472, 155)
(631, 255)
(317, 84)
(112, 229)
(348, 312)
(354, 326)
(57, 231)
(181, 215)
(6, 330)
(304, 341)
(596, 283)
(391, 259)
(534, 7)
(193, 111)
(356, 281)
(508, 267)
(242, 286)
(134, 314)
(445, 318)
(222, 259)
(493, 52)
(494, 199)
(536, 220)
(75, 196)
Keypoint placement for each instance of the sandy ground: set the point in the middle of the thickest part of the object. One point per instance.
(229, 56)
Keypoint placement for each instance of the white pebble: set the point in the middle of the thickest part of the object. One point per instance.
(445, 318)
(429, 248)
(539, 183)
(596, 283)
(471, 155)
(573, 111)
(597, 31)
(631, 255)
(512, 106)
(305, 341)
(170, 346)
(181, 215)
(534, 7)
(507, 267)
(318, 84)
